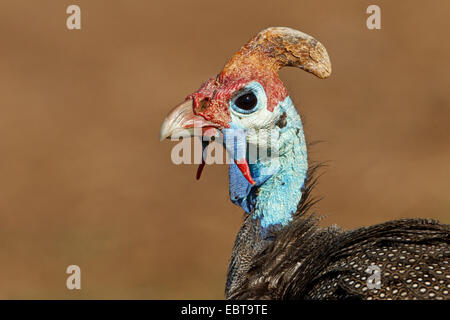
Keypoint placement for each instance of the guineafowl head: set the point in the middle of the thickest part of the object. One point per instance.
(247, 106)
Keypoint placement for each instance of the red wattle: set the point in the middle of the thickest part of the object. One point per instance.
(245, 169)
(200, 170)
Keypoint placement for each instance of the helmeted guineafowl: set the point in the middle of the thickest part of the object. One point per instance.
(280, 252)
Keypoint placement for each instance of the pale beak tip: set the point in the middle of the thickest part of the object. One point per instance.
(163, 134)
(166, 129)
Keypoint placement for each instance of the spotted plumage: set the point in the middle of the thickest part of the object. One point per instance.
(303, 261)
(412, 256)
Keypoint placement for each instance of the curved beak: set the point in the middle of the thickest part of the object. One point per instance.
(182, 122)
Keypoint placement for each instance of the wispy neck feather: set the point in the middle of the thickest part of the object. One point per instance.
(275, 197)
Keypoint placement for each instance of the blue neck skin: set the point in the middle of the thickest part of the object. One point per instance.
(275, 196)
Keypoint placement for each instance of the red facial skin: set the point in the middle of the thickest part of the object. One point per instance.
(212, 99)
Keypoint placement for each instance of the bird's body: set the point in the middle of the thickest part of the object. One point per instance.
(408, 257)
(280, 252)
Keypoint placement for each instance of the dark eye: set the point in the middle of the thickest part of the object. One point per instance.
(247, 101)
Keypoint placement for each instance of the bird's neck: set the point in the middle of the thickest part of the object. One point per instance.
(271, 203)
(279, 180)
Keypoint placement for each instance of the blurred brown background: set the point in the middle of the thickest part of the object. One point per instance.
(84, 179)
